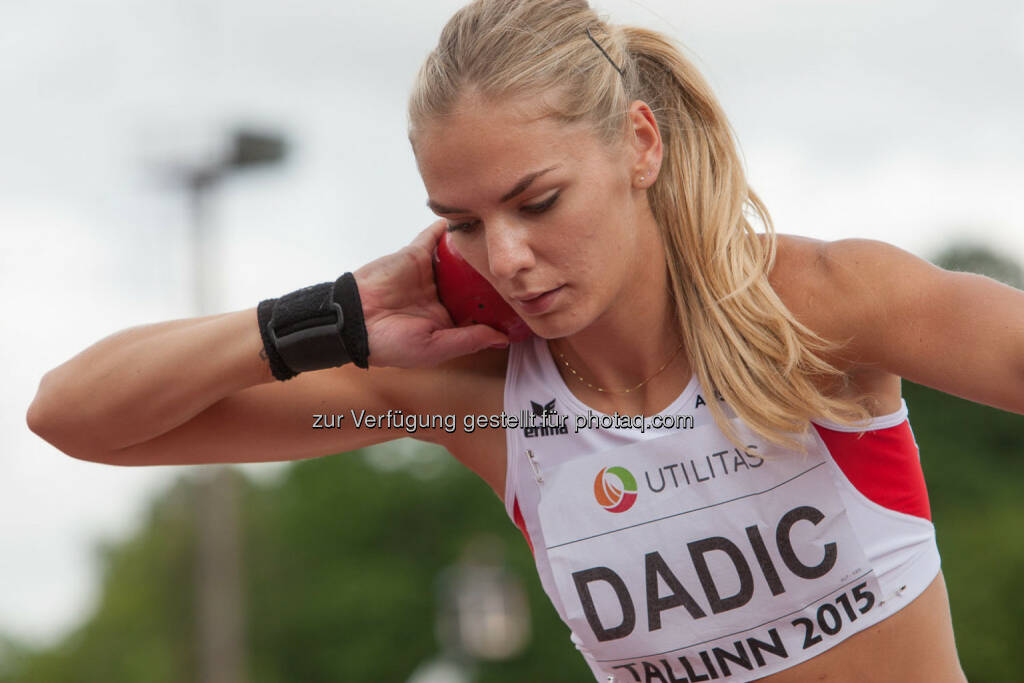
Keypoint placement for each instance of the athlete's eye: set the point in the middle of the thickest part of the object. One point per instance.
(540, 207)
(462, 227)
(544, 205)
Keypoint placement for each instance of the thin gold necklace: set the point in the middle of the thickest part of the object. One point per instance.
(621, 391)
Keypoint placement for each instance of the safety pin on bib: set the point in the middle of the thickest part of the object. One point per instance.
(895, 593)
(534, 467)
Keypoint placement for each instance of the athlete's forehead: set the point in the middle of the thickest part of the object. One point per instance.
(521, 186)
(486, 151)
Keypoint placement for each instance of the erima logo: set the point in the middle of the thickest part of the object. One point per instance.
(542, 410)
(544, 420)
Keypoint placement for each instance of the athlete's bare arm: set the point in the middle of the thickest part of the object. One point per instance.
(200, 391)
(960, 333)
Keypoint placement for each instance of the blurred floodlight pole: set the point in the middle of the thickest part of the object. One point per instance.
(247, 150)
(219, 604)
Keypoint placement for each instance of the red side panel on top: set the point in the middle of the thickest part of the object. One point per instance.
(883, 465)
(517, 517)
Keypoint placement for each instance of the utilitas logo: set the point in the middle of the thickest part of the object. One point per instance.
(615, 489)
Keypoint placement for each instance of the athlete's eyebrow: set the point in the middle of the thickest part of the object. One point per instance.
(519, 188)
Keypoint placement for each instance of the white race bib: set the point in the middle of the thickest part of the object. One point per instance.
(680, 561)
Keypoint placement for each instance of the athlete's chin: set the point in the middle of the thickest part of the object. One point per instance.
(559, 323)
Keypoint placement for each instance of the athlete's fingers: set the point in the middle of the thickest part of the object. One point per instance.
(429, 236)
(460, 341)
(425, 344)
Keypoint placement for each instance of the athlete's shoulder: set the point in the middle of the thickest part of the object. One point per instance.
(800, 276)
(798, 261)
(841, 265)
(897, 313)
(846, 289)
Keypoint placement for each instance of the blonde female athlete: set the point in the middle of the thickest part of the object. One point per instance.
(587, 171)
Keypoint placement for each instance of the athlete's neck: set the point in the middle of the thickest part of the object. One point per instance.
(636, 339)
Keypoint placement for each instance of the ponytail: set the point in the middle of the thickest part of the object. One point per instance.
(742, 340)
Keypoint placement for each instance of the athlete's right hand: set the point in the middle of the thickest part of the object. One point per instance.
(406, 323)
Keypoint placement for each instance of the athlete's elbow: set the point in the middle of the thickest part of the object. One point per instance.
(43, 411)
(48, 417)
(60, 440)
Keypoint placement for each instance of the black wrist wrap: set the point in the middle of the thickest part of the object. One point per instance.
(353, 333)
(277, 365)
(316, 327)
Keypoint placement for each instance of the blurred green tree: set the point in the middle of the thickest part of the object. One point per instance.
(972, 460)
(341, 561)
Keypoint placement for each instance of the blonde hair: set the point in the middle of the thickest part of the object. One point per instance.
(741, 339)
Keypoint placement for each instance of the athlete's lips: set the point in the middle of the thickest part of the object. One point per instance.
(536, 301)
(530, 296)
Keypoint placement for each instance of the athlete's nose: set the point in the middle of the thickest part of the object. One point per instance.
(508, 249)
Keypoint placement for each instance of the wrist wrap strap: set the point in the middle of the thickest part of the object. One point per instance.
(316, 327)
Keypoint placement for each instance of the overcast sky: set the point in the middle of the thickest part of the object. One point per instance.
(898, 121)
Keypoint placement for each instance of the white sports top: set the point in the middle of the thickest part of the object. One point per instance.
(675, 557)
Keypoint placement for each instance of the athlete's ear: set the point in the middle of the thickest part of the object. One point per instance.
(645, 143)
